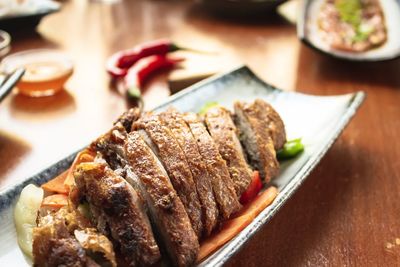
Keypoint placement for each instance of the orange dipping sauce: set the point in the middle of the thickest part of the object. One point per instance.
(46, 71)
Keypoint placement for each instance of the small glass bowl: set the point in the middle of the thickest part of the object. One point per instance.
(46, 71)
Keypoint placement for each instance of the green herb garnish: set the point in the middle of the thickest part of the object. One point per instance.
(350, 11)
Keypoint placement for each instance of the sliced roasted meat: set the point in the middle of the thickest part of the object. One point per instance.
(55, 244)
(167, 149)
(128, 117)
(274, 122)
(174, 121)
(257, 134)
(111, 146)
(222, 183)
(224, 133)
(166, 208)
(117, 207)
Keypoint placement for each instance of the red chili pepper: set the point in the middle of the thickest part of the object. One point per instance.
(253, 189)
(144, 69)
(120, 62)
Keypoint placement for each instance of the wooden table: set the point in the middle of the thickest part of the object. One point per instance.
(347, 212)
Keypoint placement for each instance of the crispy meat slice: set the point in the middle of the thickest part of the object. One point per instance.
(128, 117)
(273, 122)
(111, 146)
(254, 125)
(222, 184)
(167, 149)
(166, 208)
(115, 203)
(174, 121)
(54, 243)
(224, 133)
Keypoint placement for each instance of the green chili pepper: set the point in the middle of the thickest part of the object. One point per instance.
(207, 106)
(291, 149)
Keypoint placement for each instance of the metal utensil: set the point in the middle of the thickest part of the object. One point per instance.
(9, 82)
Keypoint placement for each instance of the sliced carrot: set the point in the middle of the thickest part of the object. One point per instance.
(56, 185)
(56, 201)
(233, 226)
(258, 204)
(85, 155)
(227, 232)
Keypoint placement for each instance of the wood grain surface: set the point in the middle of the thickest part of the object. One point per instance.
(347, 213)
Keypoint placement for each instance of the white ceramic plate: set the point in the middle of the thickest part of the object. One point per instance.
(318, 120)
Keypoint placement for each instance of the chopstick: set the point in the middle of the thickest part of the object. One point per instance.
(9, 82)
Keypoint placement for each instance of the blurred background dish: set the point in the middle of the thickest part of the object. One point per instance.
(18, 15)
(243, 8)
(378, 17)
(46, 71)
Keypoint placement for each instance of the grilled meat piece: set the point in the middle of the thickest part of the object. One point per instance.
(111, 146)
(127, 118)
(224, 133)
(257, 132)
(116, 204)
(222, 183)
(174, 121)
(273, 122)
(167, 149)
(166, 209)
(54, 242)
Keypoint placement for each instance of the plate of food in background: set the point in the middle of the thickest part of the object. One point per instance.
(358, 30)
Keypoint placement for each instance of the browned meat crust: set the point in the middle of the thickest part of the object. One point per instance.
(127, 118)
(253, 123)
(222, 184)
(111, 146)
(59, 252)
(201, 177)
(164, 204)
(173, 158)
(54, 243)
(224, 133)
(115, 201)
(273, 122)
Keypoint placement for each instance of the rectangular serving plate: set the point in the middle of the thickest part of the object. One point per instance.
(318, 120)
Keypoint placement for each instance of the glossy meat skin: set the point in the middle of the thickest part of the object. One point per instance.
(255, 133)
(166, 208)
(223, 131)
(169, 152)
(174, 121)
(221, 181)
(115, 203)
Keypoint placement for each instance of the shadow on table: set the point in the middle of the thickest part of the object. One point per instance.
(197, 13)
(31, 39)
(42, 108)
(12, 149)
(300, 225)
(322, 69)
